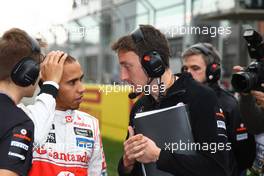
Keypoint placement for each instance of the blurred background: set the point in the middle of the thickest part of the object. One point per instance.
(86, 29)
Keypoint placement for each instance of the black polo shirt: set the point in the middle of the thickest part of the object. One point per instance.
(205, 118)
(16, 137)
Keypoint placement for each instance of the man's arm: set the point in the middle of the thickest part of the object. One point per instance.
(128, 166)
(16, 145)
(43, 109)
(4, 172)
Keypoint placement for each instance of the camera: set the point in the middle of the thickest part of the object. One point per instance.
(252, 77)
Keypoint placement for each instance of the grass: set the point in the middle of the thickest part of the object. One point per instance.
(113, 151)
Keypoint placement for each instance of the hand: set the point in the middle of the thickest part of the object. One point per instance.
(131, 146)
(237, 68)
(259, 97)
(150, 153)
(52, 66)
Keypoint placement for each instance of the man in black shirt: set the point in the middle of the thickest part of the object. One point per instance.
(19, 73)
(144, 59)
(202, 60)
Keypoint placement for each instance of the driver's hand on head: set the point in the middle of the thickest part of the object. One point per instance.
(52, 66)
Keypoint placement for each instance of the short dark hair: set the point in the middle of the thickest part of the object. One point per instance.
(153, 40)
(69, 59)
(15, 44)
(194, 51)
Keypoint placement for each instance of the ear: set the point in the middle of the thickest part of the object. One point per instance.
(40, 83)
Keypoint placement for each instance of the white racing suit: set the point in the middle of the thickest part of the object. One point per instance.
(66, 143)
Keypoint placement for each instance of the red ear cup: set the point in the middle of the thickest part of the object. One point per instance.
(151, 61)
(213, 72)
(146, 58)
(214, 67)
(153, 64)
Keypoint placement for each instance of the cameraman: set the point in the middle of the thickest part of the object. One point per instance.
(249, 83)
(252, 108)
(202, 60)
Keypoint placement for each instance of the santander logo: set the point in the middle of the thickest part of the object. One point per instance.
(41, 151)
(82, 157)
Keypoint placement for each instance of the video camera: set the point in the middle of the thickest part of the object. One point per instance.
(252, 77)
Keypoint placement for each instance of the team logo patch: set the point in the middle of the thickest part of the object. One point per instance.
(83, 132)
(241, 129)
(221, 124)
(23, 131)
(241, 133)
(219, 114)
(51, 138)
(52, 127)
(68, 119)
(81, 124)
(84, 143)
(17, 155)
(20, 143)
(241, 137)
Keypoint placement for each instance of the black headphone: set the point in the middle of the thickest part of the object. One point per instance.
(213, 69)
(151, 61)
(26, 71)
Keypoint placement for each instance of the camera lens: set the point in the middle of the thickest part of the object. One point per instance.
(244, 81)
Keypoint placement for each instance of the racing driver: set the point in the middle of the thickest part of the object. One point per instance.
(73, 146)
